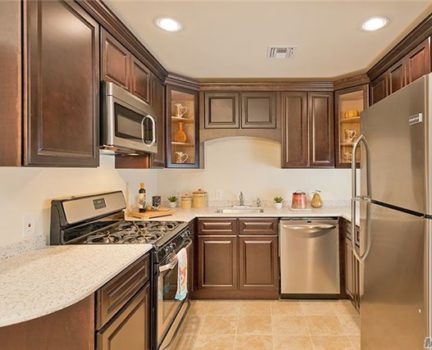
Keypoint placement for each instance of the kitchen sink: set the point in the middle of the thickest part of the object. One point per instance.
(240, 210)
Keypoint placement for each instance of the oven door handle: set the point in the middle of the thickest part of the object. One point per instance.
(172, 263)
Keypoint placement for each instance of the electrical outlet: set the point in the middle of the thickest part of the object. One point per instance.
(28, 225)
(218, 195)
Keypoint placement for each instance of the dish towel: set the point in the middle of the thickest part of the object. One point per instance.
(182, 275)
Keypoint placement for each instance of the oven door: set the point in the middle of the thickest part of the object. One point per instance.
(170, 311)
(128, 121)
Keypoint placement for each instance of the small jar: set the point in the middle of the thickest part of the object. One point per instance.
(186, 202)
(199, 199)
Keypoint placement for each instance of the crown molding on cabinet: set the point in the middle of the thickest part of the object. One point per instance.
(402, 48)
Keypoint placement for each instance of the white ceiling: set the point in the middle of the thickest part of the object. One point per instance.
(229, 39)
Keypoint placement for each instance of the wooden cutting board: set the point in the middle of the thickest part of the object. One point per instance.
(150, 214)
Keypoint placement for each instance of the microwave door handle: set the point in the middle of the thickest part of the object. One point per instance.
(153, 130)
(142, 129)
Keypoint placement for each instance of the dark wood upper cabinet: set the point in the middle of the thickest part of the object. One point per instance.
(258, 110)
(397, 76)
(379, 89)
(158, 104)
(258, 263)
(140, 84)
(62, 76)
(418, 61)
(294, 130)
(11, 84)
(321, 129)
(115, 61)
(221, 110)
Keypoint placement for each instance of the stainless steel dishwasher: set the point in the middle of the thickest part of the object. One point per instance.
(309, 257)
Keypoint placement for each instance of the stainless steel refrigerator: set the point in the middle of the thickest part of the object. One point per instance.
(394, 204)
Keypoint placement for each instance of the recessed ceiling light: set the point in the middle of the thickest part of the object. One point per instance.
(168, 24)
(374, 23)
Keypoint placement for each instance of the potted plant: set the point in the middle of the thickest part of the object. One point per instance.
(172, 201)
(278, 202)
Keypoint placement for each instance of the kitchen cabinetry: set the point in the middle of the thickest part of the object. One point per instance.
(350, 103)
(158, 103)
(62, 110)
(237, 258)
(234, 110)
(379, 89)
(258, 110)
(405, 70)
(307, 129)
(222, 110)
(123, 313)
(182, 139)
(121, 67)
(115, 317)
(352, 265)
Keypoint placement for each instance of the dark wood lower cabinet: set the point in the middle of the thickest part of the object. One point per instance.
(217, 263)
(131, 329)
(232, 265)
(258, 263)
(69, 329)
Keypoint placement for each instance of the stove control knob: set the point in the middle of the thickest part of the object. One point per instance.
(167, 250)
(173, 246)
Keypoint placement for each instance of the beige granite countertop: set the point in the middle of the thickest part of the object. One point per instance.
(190, 214)
(52, 278)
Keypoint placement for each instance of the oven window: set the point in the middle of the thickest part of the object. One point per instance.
(128, 123)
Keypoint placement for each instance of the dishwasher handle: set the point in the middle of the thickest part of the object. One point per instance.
(308, 230)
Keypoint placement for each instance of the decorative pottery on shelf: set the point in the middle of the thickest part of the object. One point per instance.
(180, 135)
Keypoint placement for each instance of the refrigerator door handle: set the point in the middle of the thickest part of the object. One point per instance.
(365, 198)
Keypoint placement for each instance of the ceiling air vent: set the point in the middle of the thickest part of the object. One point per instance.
(280, 51)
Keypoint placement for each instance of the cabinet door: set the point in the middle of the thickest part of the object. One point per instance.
(258, 262)
(140, 84)
(349, 270)
(62, 118)
(115, 61)
(379, 88)
(397, 76)
(221, 110)
(294, 130)
(321, 129)
(418, 61)
(158, 103)
(131, 328)
(258, 110)
(217, 262)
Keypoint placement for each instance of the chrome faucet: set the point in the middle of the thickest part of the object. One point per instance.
(258, 202)
(241, 199)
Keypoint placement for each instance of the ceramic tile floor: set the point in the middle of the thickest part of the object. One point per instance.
(262, 325)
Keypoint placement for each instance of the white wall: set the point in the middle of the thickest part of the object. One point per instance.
(29, 191)
(253, 166)
(232, 165)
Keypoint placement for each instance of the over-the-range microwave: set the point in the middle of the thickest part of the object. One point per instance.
(128, 124)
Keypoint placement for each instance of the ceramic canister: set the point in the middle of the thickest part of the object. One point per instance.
(186, 202)
(199, 199)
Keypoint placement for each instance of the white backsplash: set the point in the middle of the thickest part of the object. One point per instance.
(252, 166)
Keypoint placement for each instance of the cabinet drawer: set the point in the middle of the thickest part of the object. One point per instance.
(117, 292)
(220, 226)
(257, 226)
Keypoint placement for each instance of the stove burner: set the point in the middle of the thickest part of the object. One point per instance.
(133, 232)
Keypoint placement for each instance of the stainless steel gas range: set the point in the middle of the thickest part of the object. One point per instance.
(99, 219)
